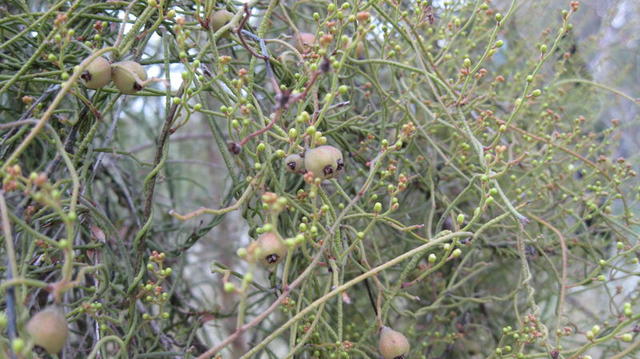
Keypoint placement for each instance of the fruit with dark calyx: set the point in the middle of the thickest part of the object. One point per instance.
(294, 163)
(324, 162)
(269, 249)
(97, 74)
(128, 76)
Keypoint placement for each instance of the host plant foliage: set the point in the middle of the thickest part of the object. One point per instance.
(416, 179)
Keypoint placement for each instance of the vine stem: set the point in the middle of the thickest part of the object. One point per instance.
(8, 236)
(13, 266)
(246, 195)
(565, 264)
(636, 101)
(109, 338)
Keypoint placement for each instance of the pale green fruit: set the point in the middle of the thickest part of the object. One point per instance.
(325, 161)
(294, 163)
(219, 18)
(48, 329)
(124, 75)
(97, 74)
(393, 345)
(269, 249)
(303, 41)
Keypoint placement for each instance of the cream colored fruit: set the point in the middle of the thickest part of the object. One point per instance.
(128, 76)
(48, 329)
(219, 18)
(324, 161)
(393, 344)
(303, 41)
(97, 74)
(269, 249)
(294, 163)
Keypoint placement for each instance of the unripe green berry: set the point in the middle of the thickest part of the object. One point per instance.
(18, 345)
(377, 207)
(293, 133)
(229, 287)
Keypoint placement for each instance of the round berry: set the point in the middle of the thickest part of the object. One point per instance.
(269, 249)
(303, 41)
(324, 162)
(219, 18)
(294, 163)
(128, 76)
(97, 74)
(393, 344)
(48, 329)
